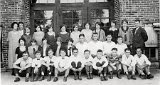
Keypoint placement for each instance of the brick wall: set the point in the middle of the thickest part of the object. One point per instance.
(142, 9)
(12, 11)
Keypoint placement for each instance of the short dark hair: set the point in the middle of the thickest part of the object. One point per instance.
(33, 40)
(137, 20)
(63, 25)
(39, 27)
(99, 50)
(25, 52)
(74, 25)
(99, 23)
(26, 28)
(22, 39)
(81, 35)
(38, 52)
(114, 49)
(139, 48)
(127, 49)
(74, 49)
(108, 34)
(125, 20)
(87, 51)
(12, 25)
(95, 33)
(20, 23)
(63, 49)
(113, 21)
(119, 37)
(87, 23)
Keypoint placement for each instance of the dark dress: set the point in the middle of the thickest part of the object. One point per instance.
(51, 40)
(114, 35)
(27, 39)
(19, 52)
(64, 39)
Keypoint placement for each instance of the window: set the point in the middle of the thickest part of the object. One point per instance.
(71, 17)
(45, 1)
(43, 17)
(71, 1)
(99, 15)
(98, 0)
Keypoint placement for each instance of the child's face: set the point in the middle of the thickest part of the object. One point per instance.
(109, 37)
(112, 24)
(38, 29)
(124, 24)
(33, 43)
(87, 26)
(62, 53)
(25, 56)
(76, 28)
(97, 26)
(81, 39)
(15, 26)
(75, 52)
(38, 55)
(50, 53)
(139, 52)
(128, 52)
(21, 42)
(21, 26)
(70, 43)
(114, 52)
(119, 40)
(63, 29)
(87, 54)
(95, 37)
(27, 30)
(50, 29)
(99, 54)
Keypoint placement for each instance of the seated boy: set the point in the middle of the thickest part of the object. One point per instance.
(22, 67)
(76, 63)
(48, 64)
(128, 64)
(114, 63)
(62, 64)
(88, 63)
(100, 64)
(36, 66)
(142, 64)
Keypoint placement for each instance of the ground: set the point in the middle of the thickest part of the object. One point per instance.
(7, 79)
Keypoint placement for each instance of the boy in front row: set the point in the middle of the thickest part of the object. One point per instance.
(62, 64)
(114, 63)
(142, 64)
(36, 66)
(100, 64)
(88, 64)
(128, 63)
(22, 67)
(77, 64)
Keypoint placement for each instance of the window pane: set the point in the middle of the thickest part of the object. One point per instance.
(98, 0)
(48, 14)
(39, 14)
(71, 1)
(105, 13)
(45, 1)
(105, 21)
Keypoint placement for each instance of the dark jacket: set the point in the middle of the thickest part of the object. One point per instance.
(139, 38)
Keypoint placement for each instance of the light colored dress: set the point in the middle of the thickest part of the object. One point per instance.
(152, 36)
(75, 37)
(13, 38)
(88, 34)
(38, 36)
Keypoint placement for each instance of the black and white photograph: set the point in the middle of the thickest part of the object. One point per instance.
(80, 42)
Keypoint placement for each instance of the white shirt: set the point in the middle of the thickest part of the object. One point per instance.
(62, 63)
(108, 47)
(37, 62)
(94, 46)
(95, 60)
(49, 61)
(75, 36)
(23, 62)
(87, 33)
(129, 61)
(142, 60)
(89, 59)
(121, 48)
(81, 48)
(76, 60)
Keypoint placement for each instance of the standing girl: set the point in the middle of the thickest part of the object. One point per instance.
(38, 35)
